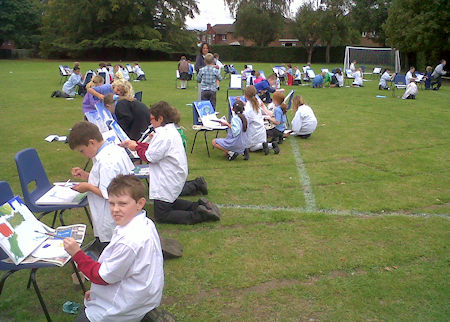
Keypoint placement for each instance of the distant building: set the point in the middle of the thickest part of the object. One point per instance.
(223, 34)
(368, 40)
(8, 44)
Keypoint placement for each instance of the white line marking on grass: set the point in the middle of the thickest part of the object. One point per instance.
(310, 200)
(331, 211)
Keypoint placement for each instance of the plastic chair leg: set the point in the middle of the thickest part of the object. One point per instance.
(89, 216)
(2, 282)
(77, 273)
(38, 293)
(206, 143)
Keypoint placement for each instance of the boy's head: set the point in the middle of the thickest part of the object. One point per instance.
(272, 79)
(126, 197)
(108, 101)
(209, 59)
(76, 70)
(86, 138)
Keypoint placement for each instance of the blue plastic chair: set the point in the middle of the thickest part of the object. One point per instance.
(30, 170)
(138, 96)
(5, 195)
(399, 82)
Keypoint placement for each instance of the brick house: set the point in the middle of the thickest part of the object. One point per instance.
(223, 34)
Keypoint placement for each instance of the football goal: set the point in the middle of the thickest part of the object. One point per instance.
(375, 57)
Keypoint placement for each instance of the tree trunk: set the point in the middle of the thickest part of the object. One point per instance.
(327, 54)
(310, 51)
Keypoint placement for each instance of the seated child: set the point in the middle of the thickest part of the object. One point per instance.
(89, 100)
(125, 73)
(337, 80)
(257, 138)
(279, 119)
(209, 78)
(411, 90)
(109, 160)
(304, 122)
(140, 75)
(358, 75)
(236, 141)
(265, 87)
(318, 80)
(410, 74)
(297, 76)
(258, 78)
(118, 72)
(128, 279)
(68, 89)
(168, 171)
(428, 77)
(385, 77)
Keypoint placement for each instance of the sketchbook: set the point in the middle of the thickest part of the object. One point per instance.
(121, 135)
(24, 239)
(54, 137)
(61, 195)
(208, 116)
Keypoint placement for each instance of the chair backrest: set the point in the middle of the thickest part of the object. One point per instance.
(231, 101)
(261, 73)
(348, 73)
(288, 99)
(250, 80)
(377, 70)
(88, 77)
(31, 170)
(310, 73)
(6, 193)
(129, 68)
(138, 96)
(363, 68)
(62, 71)
(399, 80)
(235, 81)
(325, 70)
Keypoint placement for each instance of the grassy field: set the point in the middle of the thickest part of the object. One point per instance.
(351, 224)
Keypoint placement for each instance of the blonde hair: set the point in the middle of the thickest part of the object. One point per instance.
(209, 59)
(250, 95)
(97, 80)
(128, 92)
(297, 101)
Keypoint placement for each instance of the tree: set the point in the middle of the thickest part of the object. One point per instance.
(70, 26)
(20, 22)
(258, 24)
(281, 6)
(419, 26)
(369, 16)
(307, 27)
(335, 26)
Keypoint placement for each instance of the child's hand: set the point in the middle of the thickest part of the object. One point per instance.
(129, 144)
(71, 246)
(82, 187)
(87, 295)
(80, 173)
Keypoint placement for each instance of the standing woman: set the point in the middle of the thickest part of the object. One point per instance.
(200, 62)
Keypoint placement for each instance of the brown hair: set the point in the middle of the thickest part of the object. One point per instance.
(97, 80)
(108, 99)
(82, 132)
(279, 97)
(168, 113)
(250, 95)
(297, 101)
(201, 47)
(238, 108)
(128, 185)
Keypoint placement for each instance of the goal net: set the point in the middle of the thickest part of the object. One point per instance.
(373, 57)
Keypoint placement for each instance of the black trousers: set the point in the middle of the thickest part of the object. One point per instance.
(189, 188)
(209, 96)
(275, 134)
(178, 212)
(437, 81)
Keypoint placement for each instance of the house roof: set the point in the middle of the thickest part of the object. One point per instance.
(223, 29)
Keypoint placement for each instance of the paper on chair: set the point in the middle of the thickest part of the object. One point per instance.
(59, 195)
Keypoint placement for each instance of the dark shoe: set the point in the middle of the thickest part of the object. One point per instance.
(171, 248)
(202, 186)
(233, 156)
(266, 148)
(246, 154)
(208, 214)
(159, 315)
(275, 147)
(209, 205)
(53, 94)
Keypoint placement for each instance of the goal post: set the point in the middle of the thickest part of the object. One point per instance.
(378, 57)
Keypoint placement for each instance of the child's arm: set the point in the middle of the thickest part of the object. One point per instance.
(87, 265)
(85, 187)
(80, 173)
(95, 93)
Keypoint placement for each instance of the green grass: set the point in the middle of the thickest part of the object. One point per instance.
(365, 252)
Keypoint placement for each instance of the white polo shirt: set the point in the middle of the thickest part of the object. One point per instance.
(304, 121)
(168, 164)
(110, 161)
(132, 265)
(255, 128)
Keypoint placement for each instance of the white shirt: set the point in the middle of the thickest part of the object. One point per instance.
(340, 79)
(125, 74)
(110, 161)
(138, 71)
(168, 164)
(411, 89)
(132, 265)
(383, 79)
(69, 86)
(408, 77)
(358, 78)
(256, 131)
(352, 67)
(298, 75)
(304, 121)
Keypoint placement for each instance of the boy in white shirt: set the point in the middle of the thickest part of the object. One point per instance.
(128, 279)
(411, 90)
(109, 160)
(140, 75)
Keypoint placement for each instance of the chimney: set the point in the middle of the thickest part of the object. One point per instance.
(208, 26)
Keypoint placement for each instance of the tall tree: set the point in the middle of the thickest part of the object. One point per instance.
(307, 27)
(335, 26)
(369, 16)
(20, 22)
(258, 23)
(281, 6)
(84, 24)
(419, 26)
